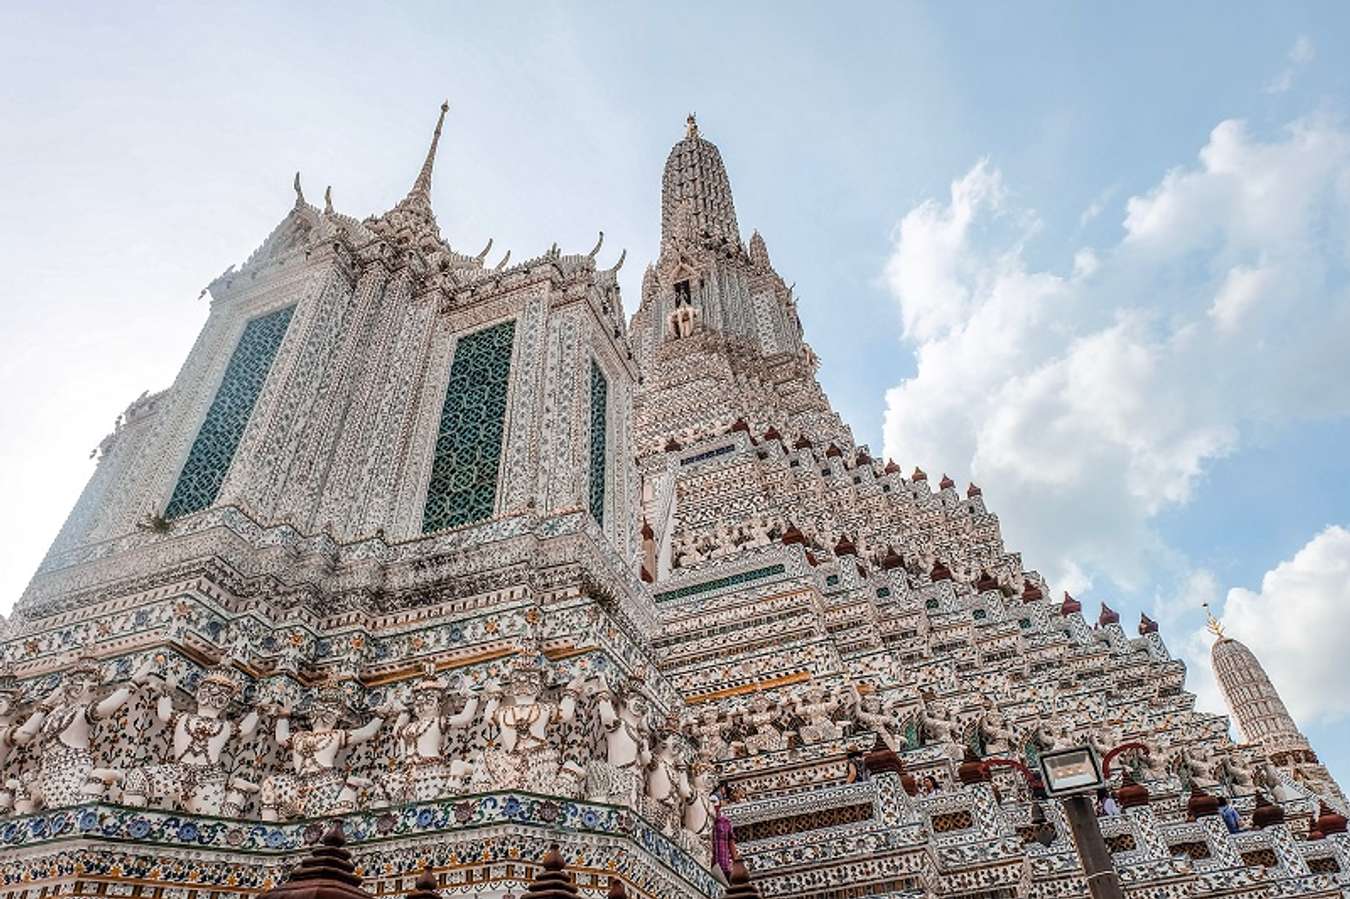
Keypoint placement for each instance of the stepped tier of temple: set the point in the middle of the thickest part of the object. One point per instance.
(533, 599)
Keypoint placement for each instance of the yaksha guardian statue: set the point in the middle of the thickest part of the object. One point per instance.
(195, 780)
(524, 755)
(9, 712)
(617, 779)
(994, 733)
(423, 772)
(668, 785)
(318, 787)
(817, 708)
(63, 725)
(881, 719)
(699, 813)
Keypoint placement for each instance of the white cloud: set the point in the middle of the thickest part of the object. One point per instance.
(1195, 590)
(1088, 402)
(1299, 56)
(1303, 51)
(1098, 205)
(1242, 290)
(927, 265)
(1297, 625)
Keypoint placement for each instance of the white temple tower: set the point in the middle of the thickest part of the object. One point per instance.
(1261, 714)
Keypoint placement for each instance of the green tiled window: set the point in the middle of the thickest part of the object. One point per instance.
(599, 401)
(721, 583)
(209, 459)
(463, 484)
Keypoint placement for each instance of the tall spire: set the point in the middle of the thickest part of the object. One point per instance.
(421, 188)
(695, 191)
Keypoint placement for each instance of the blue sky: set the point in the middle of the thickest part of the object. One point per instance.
(1094, 258)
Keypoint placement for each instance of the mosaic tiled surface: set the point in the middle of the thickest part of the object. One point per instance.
(209, 459)
(807, 600)
(598, 460)
(463, 484)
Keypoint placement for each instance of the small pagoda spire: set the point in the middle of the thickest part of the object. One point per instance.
(328, 872)
(553, 881)
(741, 885)
(425, 886)
(421, 189)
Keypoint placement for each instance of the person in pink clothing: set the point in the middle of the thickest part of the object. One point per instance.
(723, 838)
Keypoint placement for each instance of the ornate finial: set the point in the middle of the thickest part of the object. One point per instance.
(299, 194)
(1212, 623)
(618, 265)
(422, 186)
(505, 259)
(691, 126)
(425, 886)
(598, 244)
(483, 255)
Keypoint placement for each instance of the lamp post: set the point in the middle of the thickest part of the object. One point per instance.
(1071, 776)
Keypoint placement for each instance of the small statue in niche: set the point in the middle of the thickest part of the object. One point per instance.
(422, 773)
(816, 709)
(881, 720)
(997, 737)
(761, 720)
(194, 780)
(710, 732)
(317, 787)
(63, 727)
(939, 726)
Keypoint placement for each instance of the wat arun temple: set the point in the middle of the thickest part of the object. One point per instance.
(441, 557)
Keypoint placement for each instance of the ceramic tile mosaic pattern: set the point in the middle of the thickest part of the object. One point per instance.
(209, 459)
(468, 447)
(599, 410)
(400, 611)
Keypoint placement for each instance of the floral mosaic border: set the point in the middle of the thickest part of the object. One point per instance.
(452, 816)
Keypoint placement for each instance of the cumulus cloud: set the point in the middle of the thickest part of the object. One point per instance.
(1299, 56)
(1298, 628)
(1089, 400)
(1197, 589)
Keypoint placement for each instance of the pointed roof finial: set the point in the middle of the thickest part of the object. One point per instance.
(299, 194)
(1212, 623)
(328, 200)
(691, 126)
(422, 186)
